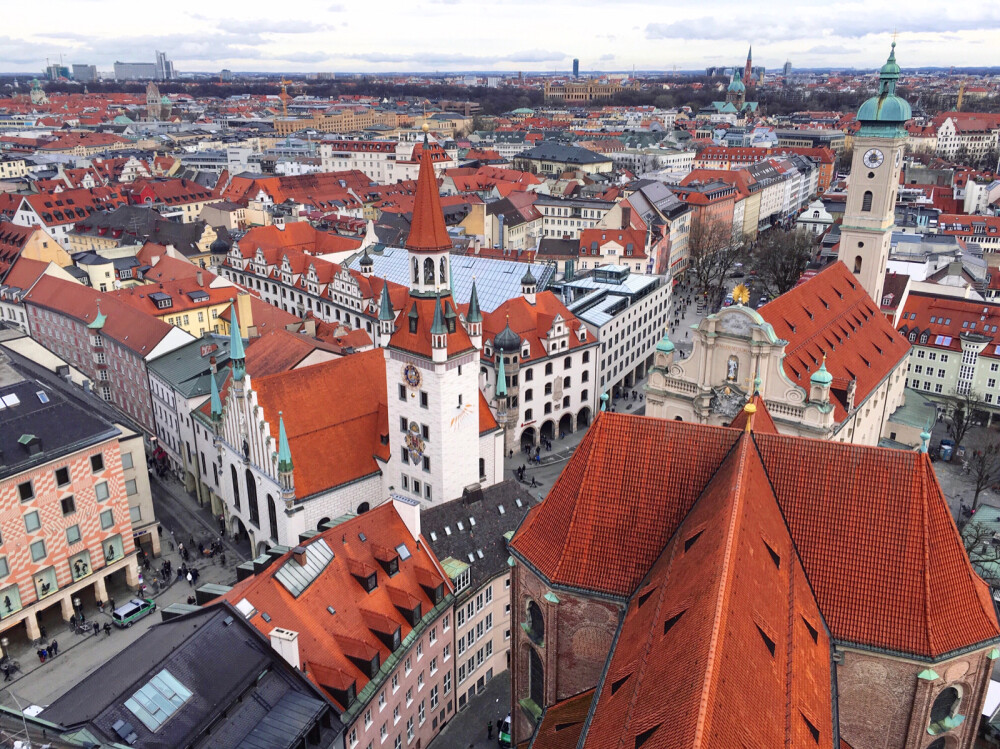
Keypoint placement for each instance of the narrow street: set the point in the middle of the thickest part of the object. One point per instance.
(467, 729)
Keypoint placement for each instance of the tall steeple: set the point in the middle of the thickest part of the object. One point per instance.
(215, 399)
(285, 470)
(428, 244)
(386, 317)
(748, 70)
(236, 352)
(474, 318)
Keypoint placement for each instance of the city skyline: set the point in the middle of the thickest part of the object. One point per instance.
(352, 37)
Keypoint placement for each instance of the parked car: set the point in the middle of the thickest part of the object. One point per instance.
(129, 613)
(503, 732)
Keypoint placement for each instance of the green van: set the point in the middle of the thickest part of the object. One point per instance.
(503, 732)
(128, 613)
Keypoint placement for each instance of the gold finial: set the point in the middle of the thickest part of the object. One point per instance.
(741, 294)
(749, 409)
(425, 127)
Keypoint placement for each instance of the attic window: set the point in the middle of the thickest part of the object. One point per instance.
(767, 640)
(690, 542)
(616, 685)
(669, 623)
(813, 632)
(645, 596)
(774, 555)
(403, 552)
(643, 737)
(813, 730)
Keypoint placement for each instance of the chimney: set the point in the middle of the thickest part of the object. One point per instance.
(199, 278)
(299, 555)
(409, 512)
(286, 644)
(245, 313)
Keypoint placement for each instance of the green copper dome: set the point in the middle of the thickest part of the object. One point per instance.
(737, 82)
(665, 345)
(885, 114)
(821, 376)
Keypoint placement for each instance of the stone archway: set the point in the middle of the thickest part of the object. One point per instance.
(548, 430)
(528, 438)
(237, 528)
(261, 547)
(565, 425)
(583, 418)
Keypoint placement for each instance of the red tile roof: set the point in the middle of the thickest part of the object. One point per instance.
(353, 417)
(533, 322)
(563, 722)
(832, 315)
(428, 232)
(13, 238)
(298, 235)
(487, 422)
(419, 341)
(327, 642)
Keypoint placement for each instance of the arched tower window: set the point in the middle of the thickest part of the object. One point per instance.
(857, 264)
(272, 518)
(429, 271)
(236, 487)
(944, 709)
(416, 271)
(536, 625)
(252, 499)
(443, 274)
(536, 678)
(866, 201)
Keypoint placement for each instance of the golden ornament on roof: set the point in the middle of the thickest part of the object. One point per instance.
(741, 294)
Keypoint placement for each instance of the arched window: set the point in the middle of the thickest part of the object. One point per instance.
(866, 201)
(416, 271)
(252, 499)
(363, 508)
(272, 518)
(857, 264)
(443, 273)
(943, 711)
(529, 394)
(938, 744)
(536, 626)
(429, 271)
(236, 487)
(566, 382)
(319, 525)
(528, 414)
(536, 678)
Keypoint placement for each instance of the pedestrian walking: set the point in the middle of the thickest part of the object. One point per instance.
(97, 629)
(111, 605)
(45, 635)
(194, 575)
(223, 559)
(41, 655)
(6, 672)
(190, 579)
(107, 628)
(54, 647)
(489, 730)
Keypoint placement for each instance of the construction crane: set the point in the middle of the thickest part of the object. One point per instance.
(284, 97)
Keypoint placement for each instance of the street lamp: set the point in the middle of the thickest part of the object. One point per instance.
(4, 644)
(77, 606)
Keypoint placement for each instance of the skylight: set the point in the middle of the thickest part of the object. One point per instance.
(460, 526)
(43, 397)
(158, 699)
(403, 552)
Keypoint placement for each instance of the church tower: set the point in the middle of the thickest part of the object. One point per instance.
(432, 365)
(871, 197)
(748, 70)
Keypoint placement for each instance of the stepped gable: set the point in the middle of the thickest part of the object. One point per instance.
(428, 232)
(859, 515)
(832, 315)
(612, 510)
(725, 612)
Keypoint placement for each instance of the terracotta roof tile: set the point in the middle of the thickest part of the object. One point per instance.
(428, 232)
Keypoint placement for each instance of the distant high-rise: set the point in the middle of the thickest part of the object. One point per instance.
(135, 71)
(85, 73)
(788, 68)
(164, 67)
(576, 68)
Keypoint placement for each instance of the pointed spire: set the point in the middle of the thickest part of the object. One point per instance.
(236, 353)
(750, 53)
(501, 380)
(474, 314)
(428, 232)
(385, 312)
(216, 400)
(437, 327)
(284, 451)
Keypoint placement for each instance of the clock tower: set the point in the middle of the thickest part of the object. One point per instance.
(869, 216)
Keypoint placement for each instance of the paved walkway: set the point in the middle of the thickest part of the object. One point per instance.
(468, 728)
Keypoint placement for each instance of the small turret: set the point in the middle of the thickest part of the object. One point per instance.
(529, 286)
(285, 469)
(501, 389)
(367, 264)
(664, 352)
(819, 385)
(474, 319)
(237, 354)
(386, 317)
(439, 334)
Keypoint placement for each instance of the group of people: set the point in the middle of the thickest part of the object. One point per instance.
(44, 653)
(187, 573)
(519, 472)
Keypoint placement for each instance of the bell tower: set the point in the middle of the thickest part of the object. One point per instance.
(869, 216)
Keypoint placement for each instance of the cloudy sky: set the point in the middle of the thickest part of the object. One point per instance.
(529, 35)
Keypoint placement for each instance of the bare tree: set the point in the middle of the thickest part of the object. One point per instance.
(984, 466)
(983, 550)
(713, 254)
(780, 257)
(964, 415)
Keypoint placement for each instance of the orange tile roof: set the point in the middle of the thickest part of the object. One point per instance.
(13, 238)
(419, 342)
(944, 319)
(487, 422)
(428, 232)
(298, 235)
(353, 417)
(563, 722)
(533, 322)
(832, 315)
(327, 642)
(761, 421)
(180, 291)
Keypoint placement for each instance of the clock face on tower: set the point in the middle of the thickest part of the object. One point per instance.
(873, 158)
(411, 376)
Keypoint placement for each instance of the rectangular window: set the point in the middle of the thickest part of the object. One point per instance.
(403, 424)
(25, 491)
(427, 464)
(402, 392)
(126, 461)
(62, 476)
(5, 569)
(107, 519)
(101, 491)
(68, 505)
(96, 463)
(447, 683)
(434, 666)
(38, 551)
(31, 521)
(131, 487)
(423, 399)
(135, 514)
(446, 653)
(73, 535)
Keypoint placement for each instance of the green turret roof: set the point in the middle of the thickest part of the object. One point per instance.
(885, 114)
(474, 314)
(216, 400)
(385, 312)
(284, 451)
(501, 380)
(821, 376)
(236, 353)
(437, 327)
(665, 345)
(737, 83)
